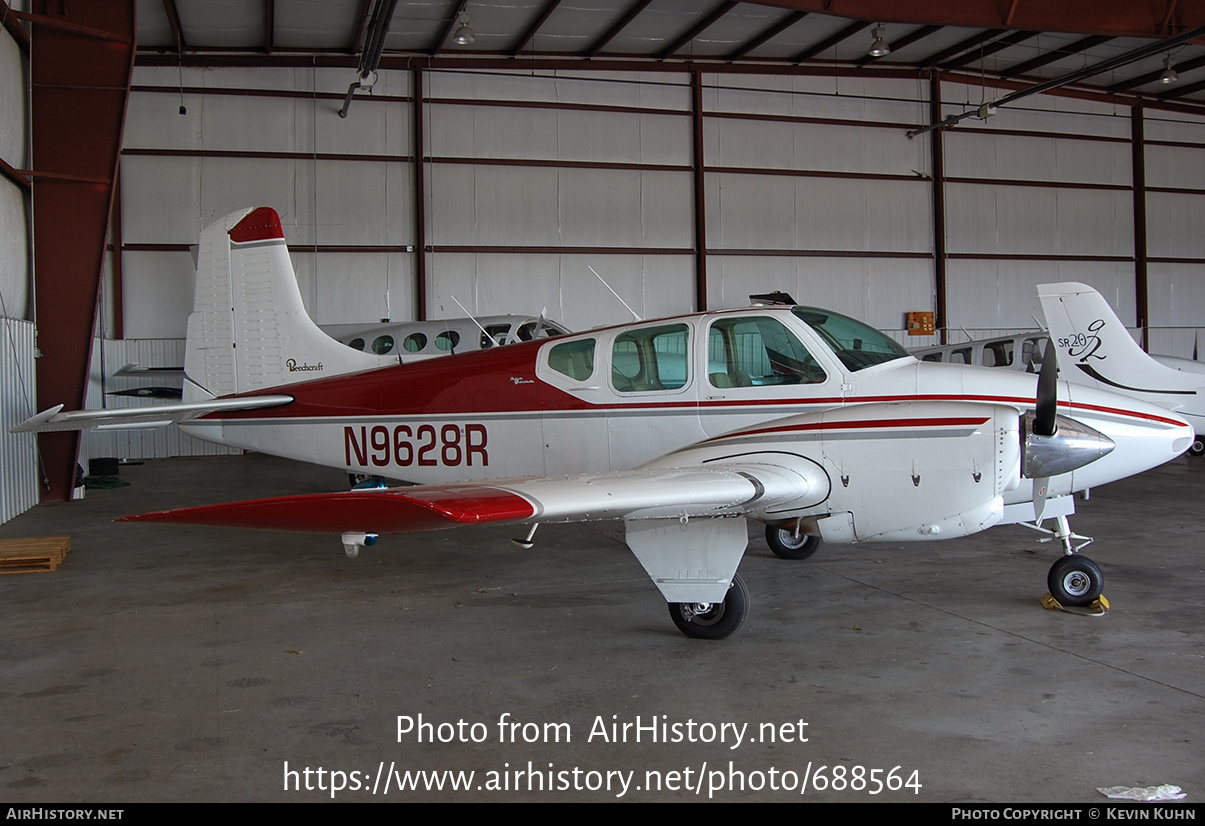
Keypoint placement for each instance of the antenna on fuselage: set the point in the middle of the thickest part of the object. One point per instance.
(484, 333)
(635, 315)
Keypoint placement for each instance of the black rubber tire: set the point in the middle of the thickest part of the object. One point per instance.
(719, 622)
(786, 545)
(1198, 446)
(1075, 580)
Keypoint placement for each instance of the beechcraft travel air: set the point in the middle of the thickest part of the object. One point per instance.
(804, 419)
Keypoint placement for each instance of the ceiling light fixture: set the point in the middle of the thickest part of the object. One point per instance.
(1169, 75)
(464, 35)
(879, 47)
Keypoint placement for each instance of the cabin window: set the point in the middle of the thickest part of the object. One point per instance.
(414, 342)
(931, 356)
(1032, 350)
(574, 359)
(758, 352)
(960, 356)
(494, 334)
(356, 344)
(998, 353)
(447, 340)
(382, 345)
(654, 358)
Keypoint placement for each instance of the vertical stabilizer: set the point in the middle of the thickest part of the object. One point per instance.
(249, 329)
(1095, 348)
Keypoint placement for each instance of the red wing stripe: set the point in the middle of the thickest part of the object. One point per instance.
(394, 511)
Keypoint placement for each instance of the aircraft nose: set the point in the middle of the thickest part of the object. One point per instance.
(1073, 445)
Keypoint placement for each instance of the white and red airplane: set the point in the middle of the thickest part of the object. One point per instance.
(807, 420)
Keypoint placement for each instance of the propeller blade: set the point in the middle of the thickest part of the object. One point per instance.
(1048, 388)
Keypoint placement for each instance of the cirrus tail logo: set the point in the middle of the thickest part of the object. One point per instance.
(294, 367)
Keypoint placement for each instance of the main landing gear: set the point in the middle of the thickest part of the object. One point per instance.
(716, 620)
(786, 545)
(1074, 579)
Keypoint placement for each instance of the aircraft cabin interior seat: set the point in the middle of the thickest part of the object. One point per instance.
(989, 357)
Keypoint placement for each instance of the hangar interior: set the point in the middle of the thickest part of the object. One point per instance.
(693, 153)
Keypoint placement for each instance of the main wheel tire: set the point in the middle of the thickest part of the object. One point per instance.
(1198, 446)
(786, 545)
(719, 620)
(1075, 580)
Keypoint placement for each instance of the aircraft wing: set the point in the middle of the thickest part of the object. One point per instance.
(677, 493)
(126, 418)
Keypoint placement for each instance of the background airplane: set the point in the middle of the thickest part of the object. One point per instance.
(1092, 340)
(414, 340)
(803, 419)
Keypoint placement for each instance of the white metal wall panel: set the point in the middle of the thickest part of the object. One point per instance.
(18, 451)
(1176, 166)
(624, 208)
(494, 205)
(14, 251)
(653, 90)
(1024, 157)
(778, 212)
(652, 284)
(1173, 225)
(362, 203)
(1176, 296)
(1173, 126)
(810, 146)
(870, 100)
(1038, 220)
(463, 131)
(1001, 219)
(160, 199)
(14, 116)
(1002, 294)
(355, 288)
(876, 290)
(157, 293)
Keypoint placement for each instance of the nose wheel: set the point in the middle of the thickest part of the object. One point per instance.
(1075, 580)
(716, 620)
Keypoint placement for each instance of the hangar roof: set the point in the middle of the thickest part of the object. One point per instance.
(1009, 43)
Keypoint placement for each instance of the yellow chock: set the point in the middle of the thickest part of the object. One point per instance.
(1098, 608)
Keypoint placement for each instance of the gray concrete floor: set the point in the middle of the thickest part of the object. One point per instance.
(172, 664)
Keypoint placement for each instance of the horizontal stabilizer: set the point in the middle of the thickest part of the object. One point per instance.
(159, 415)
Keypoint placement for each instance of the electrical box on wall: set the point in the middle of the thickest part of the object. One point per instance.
(920, 323)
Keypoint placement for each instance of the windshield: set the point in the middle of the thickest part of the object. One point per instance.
(857, 345)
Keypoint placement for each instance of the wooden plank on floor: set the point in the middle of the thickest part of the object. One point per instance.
(33, 554)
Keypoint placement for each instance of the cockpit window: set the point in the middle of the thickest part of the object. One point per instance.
(758, 352)
(857, 345)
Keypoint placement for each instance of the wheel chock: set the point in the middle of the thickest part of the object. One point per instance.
(1099, 607)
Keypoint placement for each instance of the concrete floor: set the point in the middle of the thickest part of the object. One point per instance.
(169, 664)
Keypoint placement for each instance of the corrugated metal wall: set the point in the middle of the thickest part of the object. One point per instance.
(18, 454)
(137, 444)
(18, 451)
